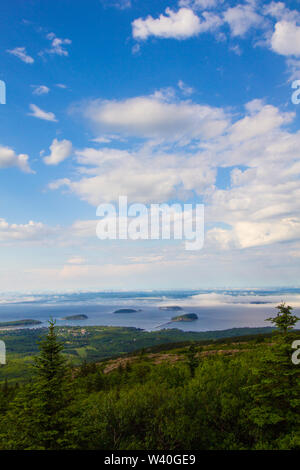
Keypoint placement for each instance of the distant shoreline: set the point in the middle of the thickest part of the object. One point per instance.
(12, 325)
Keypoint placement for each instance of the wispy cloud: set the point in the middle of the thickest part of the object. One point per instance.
(120, 4)
(76, 260)
(186, 90)
(21, 53)
(40, 114)
(29, 232)
(57, 45)
(40, 90)
(198, 4)
(241, 18)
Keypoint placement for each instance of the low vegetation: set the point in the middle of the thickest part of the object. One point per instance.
(95, 343)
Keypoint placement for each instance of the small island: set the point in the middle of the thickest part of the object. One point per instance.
(186, 317)
(17, 323)
(171, 308)
(76, 317)
(126, 310)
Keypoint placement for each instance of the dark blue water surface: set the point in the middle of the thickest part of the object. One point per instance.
(216, 309)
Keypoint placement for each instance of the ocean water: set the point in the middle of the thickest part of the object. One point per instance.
(216, 309)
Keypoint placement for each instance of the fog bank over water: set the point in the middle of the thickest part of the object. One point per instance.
(253, 298)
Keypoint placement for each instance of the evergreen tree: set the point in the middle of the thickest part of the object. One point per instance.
(276, 393)
(39, 416)
(284, 320)
(52, 389)
(192, 359)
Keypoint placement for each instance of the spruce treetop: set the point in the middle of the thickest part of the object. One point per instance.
(284, 320)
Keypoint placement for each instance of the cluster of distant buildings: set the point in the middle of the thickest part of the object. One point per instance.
(72, 332)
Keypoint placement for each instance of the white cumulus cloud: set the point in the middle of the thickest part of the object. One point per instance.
(286, 38)
(108, 173)
(179, 25)
(9, 158)
(60, 150)
(156, 117)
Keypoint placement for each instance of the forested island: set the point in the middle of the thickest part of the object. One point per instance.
(171, 308)
(76, 317)
(16, 323)
(126, 310)
(186, 317)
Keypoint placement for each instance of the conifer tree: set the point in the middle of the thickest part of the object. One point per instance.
(39, 416)
(192, 359)
(276, 394)
(284, 320)
(51, 387)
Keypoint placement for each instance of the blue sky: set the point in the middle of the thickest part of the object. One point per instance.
(162, 101)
